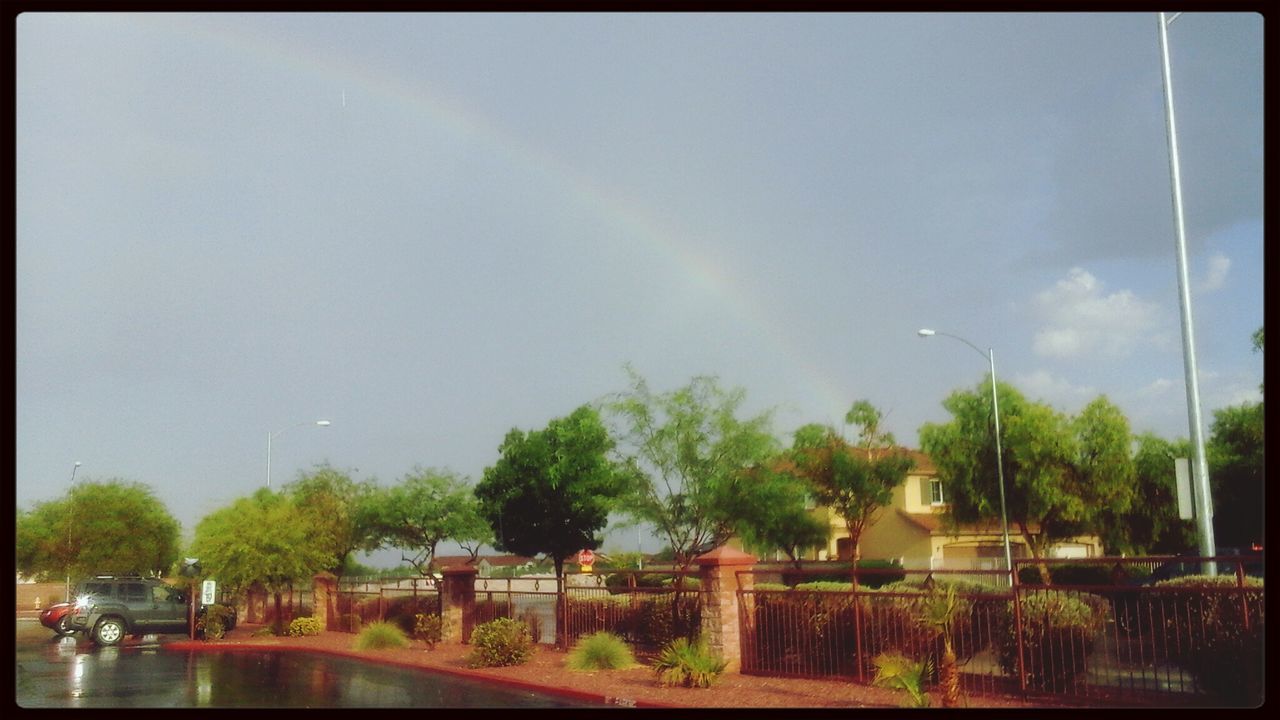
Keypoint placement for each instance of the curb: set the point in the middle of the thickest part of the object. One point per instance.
(200, 646)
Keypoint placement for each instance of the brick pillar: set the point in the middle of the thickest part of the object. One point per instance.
(457, 603)
(717, 572)
(324, 588)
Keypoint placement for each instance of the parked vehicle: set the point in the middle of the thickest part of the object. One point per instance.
(57, 617)
(109, 607)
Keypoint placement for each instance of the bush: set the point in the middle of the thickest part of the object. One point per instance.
(687, 664)
(499, 643)
(1058, 631)
(894, 621)
(1068, 574)
(428, 628)
(404, 610)
(381, 636)
(214, 622)
(769, 586)
(688, 582)
(600, 651)
(1225, 659)
(659, 619)
(843, 572)
(304, 626)
(811, 625)
(263, 631)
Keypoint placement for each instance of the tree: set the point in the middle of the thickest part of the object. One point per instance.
(265, 538)
(551, 490)
(1235, 458)
(113, 526)
(1151, 526)
(1059, 472)
(426, 507)
(766, 507)
(338, 510)
(686, 446)
(853, 480)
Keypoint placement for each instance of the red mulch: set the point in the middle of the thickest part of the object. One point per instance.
(634, 687)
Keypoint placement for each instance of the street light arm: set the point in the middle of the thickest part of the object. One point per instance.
(986, 354)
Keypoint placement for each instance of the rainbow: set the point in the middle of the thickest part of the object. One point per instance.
(831, 387)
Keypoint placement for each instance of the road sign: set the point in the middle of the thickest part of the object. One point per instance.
(586, 557)
(208, 592)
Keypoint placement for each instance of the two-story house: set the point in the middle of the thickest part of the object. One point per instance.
(910, 528)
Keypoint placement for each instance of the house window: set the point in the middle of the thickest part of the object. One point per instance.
(935, 491)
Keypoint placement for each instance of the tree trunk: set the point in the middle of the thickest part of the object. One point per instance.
(278, 625)
(949, 676)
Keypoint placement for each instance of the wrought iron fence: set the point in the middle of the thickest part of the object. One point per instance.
(648, 609)
(535, 600)
(1116, 637)
(361, 601)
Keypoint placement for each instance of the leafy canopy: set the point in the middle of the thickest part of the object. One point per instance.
(337, 508)
(688, 446)
(114, 526)
(424, 508)
(551, 490)
(1060, 472)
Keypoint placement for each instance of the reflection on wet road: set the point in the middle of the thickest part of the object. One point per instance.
(73, 672)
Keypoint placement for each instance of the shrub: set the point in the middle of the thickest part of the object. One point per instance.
(264, 631)
(500, 642)
(1058, 631)
(659, 619)
(899, 672)
(404, 610)
(304, 626)
(811, 624)
(611, 613)
(600, 651)
(688, 582)
(843, 572)
(1068, 574)
(215, 621)
(769, 586)
(381, 636)
(688, 664)
(428, 628)
(1225, 658)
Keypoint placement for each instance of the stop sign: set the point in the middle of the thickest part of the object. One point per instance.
(586, 557)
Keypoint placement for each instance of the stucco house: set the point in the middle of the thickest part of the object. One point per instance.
(910, 528)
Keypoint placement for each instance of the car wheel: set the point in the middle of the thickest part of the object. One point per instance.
(64, 625)
(108, 632)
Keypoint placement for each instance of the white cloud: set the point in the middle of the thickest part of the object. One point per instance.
(1219, 266)
(1044, 386)
(1159, 386)
(1079, 318)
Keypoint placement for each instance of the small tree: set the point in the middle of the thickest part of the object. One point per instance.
(853, 480)
(686, 447)
(113, 526)
(552, 490)
(263, 539)
(426, 507)
(337, 509)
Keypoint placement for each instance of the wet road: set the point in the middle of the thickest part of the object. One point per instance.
(72, 672)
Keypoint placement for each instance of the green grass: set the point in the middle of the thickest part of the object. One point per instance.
(600, 651)
(381, 636)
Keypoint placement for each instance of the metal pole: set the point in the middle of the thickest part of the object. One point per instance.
(70, 500)
(268, 459)
(1200, 468)
(1004, 516)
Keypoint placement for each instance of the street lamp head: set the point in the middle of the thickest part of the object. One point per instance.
(77, 463)
(323, 423)
(924, 332)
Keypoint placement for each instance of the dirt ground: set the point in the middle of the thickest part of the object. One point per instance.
(635, 687)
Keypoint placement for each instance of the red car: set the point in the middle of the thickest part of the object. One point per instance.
(57, 617)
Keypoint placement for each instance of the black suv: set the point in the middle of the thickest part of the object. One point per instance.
(109, 607)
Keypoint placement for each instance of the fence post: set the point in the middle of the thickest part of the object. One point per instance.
(324, 586)
(717, 573)
(457, 603)
(1017, 626)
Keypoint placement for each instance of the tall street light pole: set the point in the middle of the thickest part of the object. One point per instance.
(70, 500)
(272, 435)
(1200, 467)
(990, 355)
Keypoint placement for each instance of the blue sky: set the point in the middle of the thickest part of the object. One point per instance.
(431, 228)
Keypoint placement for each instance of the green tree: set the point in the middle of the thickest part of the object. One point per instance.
(551, 490)
(855, 480)
(1150, 526)
(338, 510)
(424, 508)
(265, 538)
(1059, 472)
(1235, 456)
(114, 526)
(766, 507)
(686, 446)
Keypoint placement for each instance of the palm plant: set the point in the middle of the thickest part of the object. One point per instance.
(939, 610)
(897, 671)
